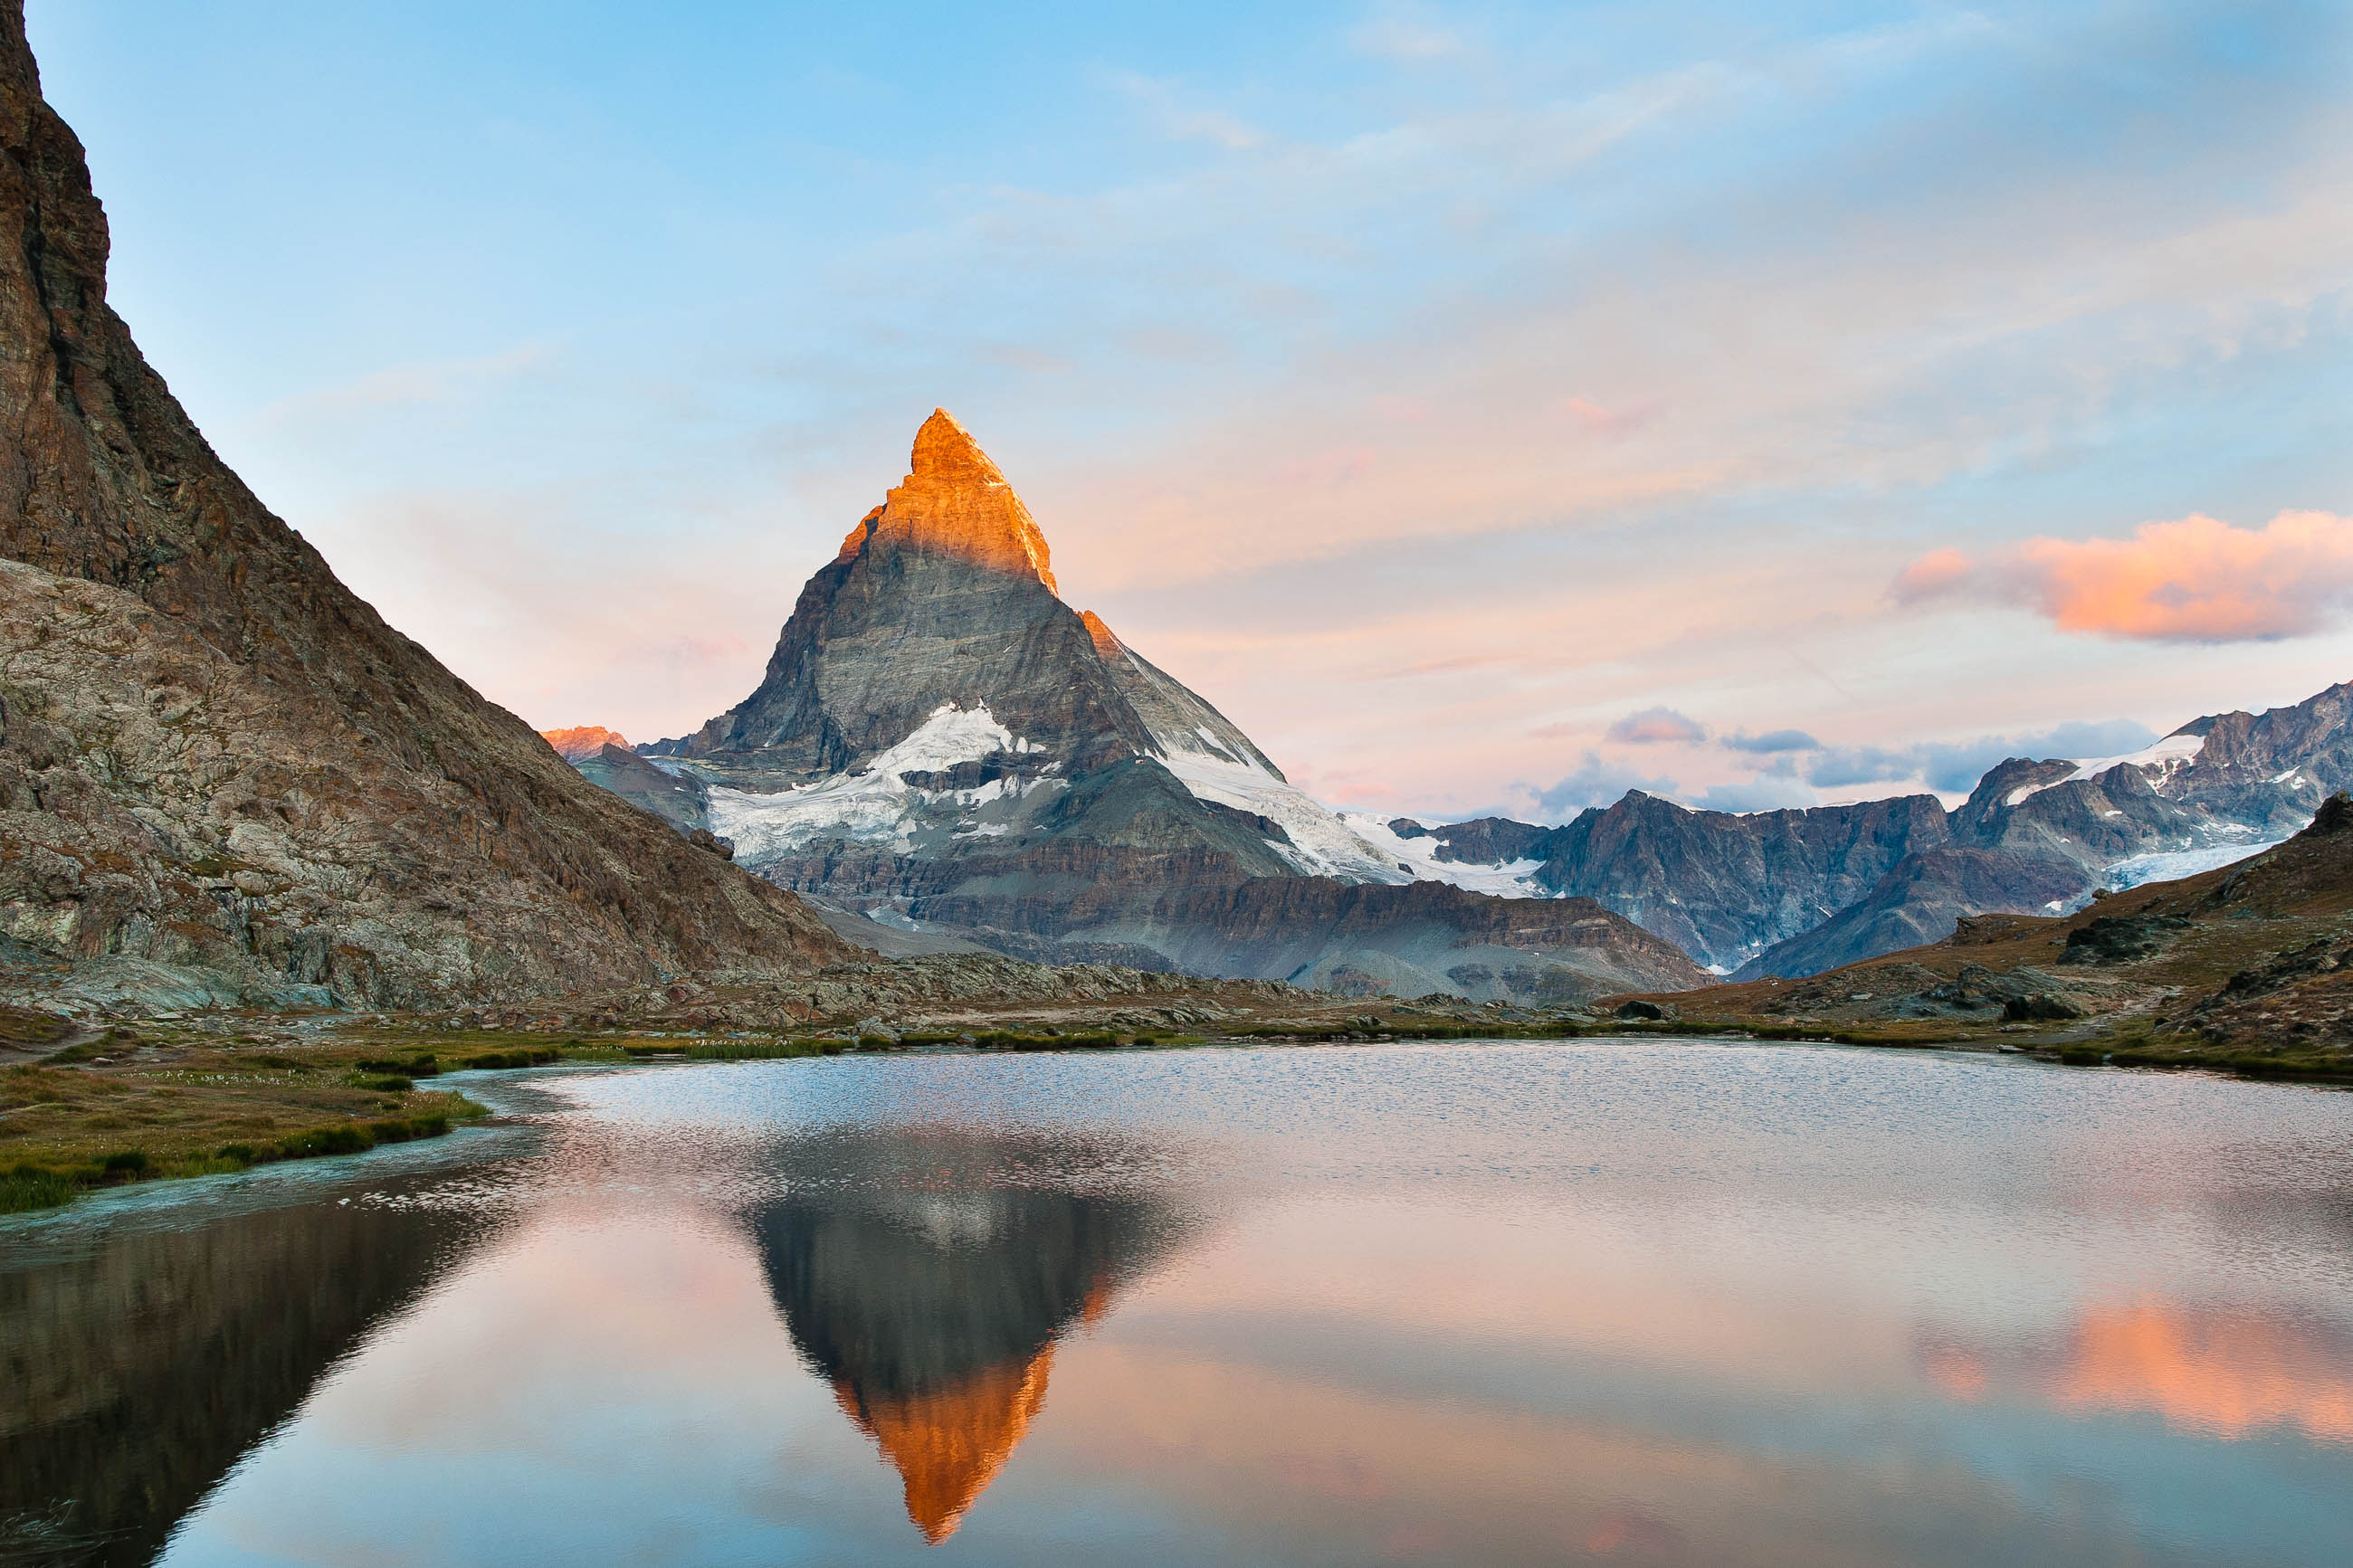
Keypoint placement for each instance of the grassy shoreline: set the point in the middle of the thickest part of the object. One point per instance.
(159, 1103)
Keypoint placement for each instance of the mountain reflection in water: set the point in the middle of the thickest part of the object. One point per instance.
(1663, 1302)
(137, 1367)
(927, 1273)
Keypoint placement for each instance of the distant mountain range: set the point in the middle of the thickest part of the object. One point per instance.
(943, 752)
(2244, 967)
(1794, 892)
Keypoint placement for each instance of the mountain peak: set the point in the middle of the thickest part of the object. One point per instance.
(583, 741)
(945, 453)
(954, 503)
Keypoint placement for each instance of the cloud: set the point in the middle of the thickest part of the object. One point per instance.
(1656, 727)
(1609, 421)
(1769, 743)
(1863, 764)
(1952, 767)
(420, 381)
(1598, 783)
(1179, 121)
(1935, 574)
(2196, 580)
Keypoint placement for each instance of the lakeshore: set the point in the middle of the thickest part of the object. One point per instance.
(88, 1106)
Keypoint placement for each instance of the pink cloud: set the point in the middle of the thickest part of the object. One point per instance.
(1656, 727)
(1938, 572)
(2195, 579)
(1608, 421)
(1332, 467)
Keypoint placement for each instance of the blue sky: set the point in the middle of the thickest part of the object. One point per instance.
(1431, 387)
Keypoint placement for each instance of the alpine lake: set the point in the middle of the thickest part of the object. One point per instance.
(1614, 1301)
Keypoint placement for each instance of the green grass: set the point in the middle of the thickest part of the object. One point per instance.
(414, 1068)
(1002, 1040)
(522, 1056)
(758, 1050)
(24, 1188)
(2313, 1067)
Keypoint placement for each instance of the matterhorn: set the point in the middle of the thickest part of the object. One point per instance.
(943, 753)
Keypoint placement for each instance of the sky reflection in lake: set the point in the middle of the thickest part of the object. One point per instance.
(1594, 1302)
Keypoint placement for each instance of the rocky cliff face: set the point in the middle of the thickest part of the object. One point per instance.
(2038, 836)
(1723, 886)
(222, 776)
(1923, 898)
(941, 741)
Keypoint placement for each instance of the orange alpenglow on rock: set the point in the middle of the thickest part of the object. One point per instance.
(581, 741)
(949, 1444)
(1107, 644)
(955, 503)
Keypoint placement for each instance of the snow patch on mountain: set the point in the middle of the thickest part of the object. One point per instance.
(874, 803)
(2161, 759)
(1514, 879)
(1321, 844)
(2168, 865)
(1352, 845)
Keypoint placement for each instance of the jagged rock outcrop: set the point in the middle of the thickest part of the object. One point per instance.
(940, 741)
(942, 600)
(2039, 837)
(1481, 841)
(222, 776)
(1722, 886)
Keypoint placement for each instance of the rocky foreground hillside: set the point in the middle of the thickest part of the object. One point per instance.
(223, 777)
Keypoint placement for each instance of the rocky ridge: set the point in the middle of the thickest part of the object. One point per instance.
(222, 776)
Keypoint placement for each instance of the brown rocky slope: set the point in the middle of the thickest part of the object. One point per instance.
(222, 775)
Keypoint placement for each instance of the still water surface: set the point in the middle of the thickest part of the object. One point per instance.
(1598, 1302)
